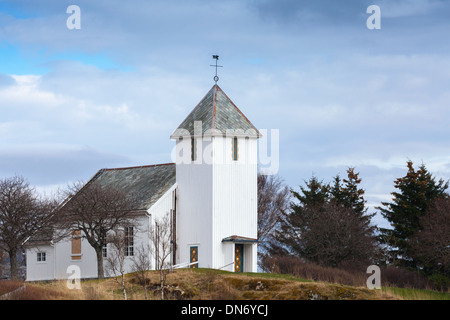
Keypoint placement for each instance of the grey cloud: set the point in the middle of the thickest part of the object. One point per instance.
(312, 13)
(56, 165)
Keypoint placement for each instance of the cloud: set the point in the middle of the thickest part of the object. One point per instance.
(55, 164)
(408, 8)
(339, 94)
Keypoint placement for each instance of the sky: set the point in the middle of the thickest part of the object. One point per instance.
(331, 92)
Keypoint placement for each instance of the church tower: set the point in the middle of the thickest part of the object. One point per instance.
(216, 174)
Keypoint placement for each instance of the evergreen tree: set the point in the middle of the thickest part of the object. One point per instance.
(315, 194)
(349, 194)
(325, 224)
(336, 192)
(416, 190)
(431, 245)
(286, 239)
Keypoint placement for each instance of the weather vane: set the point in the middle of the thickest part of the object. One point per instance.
(216, 78)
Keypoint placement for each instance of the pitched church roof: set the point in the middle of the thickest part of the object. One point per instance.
(217, 114)
(146, 183)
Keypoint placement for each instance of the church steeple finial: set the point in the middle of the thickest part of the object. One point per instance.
(216, 57)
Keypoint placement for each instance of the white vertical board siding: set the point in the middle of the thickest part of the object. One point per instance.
(226, 260)
(140, 239)
(250, 257)
(161, 208)
(87, 263)
(234, 195)
(217, 198)
(39, 270)
(163, 205)
(194, 218)
(59, 257)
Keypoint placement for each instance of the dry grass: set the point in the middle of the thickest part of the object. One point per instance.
(203, 284)
(8, 286)
(207, 284)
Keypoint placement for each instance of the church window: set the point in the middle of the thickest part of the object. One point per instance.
(41, 257)
(129, 241)
(235, 148)
(193, 149)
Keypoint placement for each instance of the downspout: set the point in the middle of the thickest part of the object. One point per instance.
(174, 226)
(149, 230)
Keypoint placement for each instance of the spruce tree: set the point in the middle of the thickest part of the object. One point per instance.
(348, 193)
(416, 191)
(327, 225)
(286, 240)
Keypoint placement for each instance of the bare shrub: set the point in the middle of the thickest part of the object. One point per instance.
(403, 278)
(390, 276)
(306, 270)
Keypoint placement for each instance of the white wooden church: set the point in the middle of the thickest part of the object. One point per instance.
(210, 193)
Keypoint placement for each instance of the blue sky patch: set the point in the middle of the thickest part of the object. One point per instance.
(18, 61)
(16, 11)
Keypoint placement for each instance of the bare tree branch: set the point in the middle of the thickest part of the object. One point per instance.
(22, 215)
(96, 210)
(161, 241)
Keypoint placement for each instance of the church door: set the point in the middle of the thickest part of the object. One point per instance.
(194, 256)
(238, 257)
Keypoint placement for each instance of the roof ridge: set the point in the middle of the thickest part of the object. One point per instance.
(213, 121)
(137, 167)
(239, 110)
(198, 105)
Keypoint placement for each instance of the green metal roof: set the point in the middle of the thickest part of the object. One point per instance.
(218, 116)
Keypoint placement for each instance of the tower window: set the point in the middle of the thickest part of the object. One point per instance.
(193, 149)
(235, 148)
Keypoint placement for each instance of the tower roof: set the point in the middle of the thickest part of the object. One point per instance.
(218, 115)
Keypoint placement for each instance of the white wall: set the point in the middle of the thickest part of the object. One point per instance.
(194, 220)
(59, 257)
(217, 198)
(234, 195)
(160, 209)
(40, 270)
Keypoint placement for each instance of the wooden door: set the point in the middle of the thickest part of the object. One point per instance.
(238, 257)
(194, 256)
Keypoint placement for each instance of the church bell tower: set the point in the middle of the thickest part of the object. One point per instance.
(216, 175)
